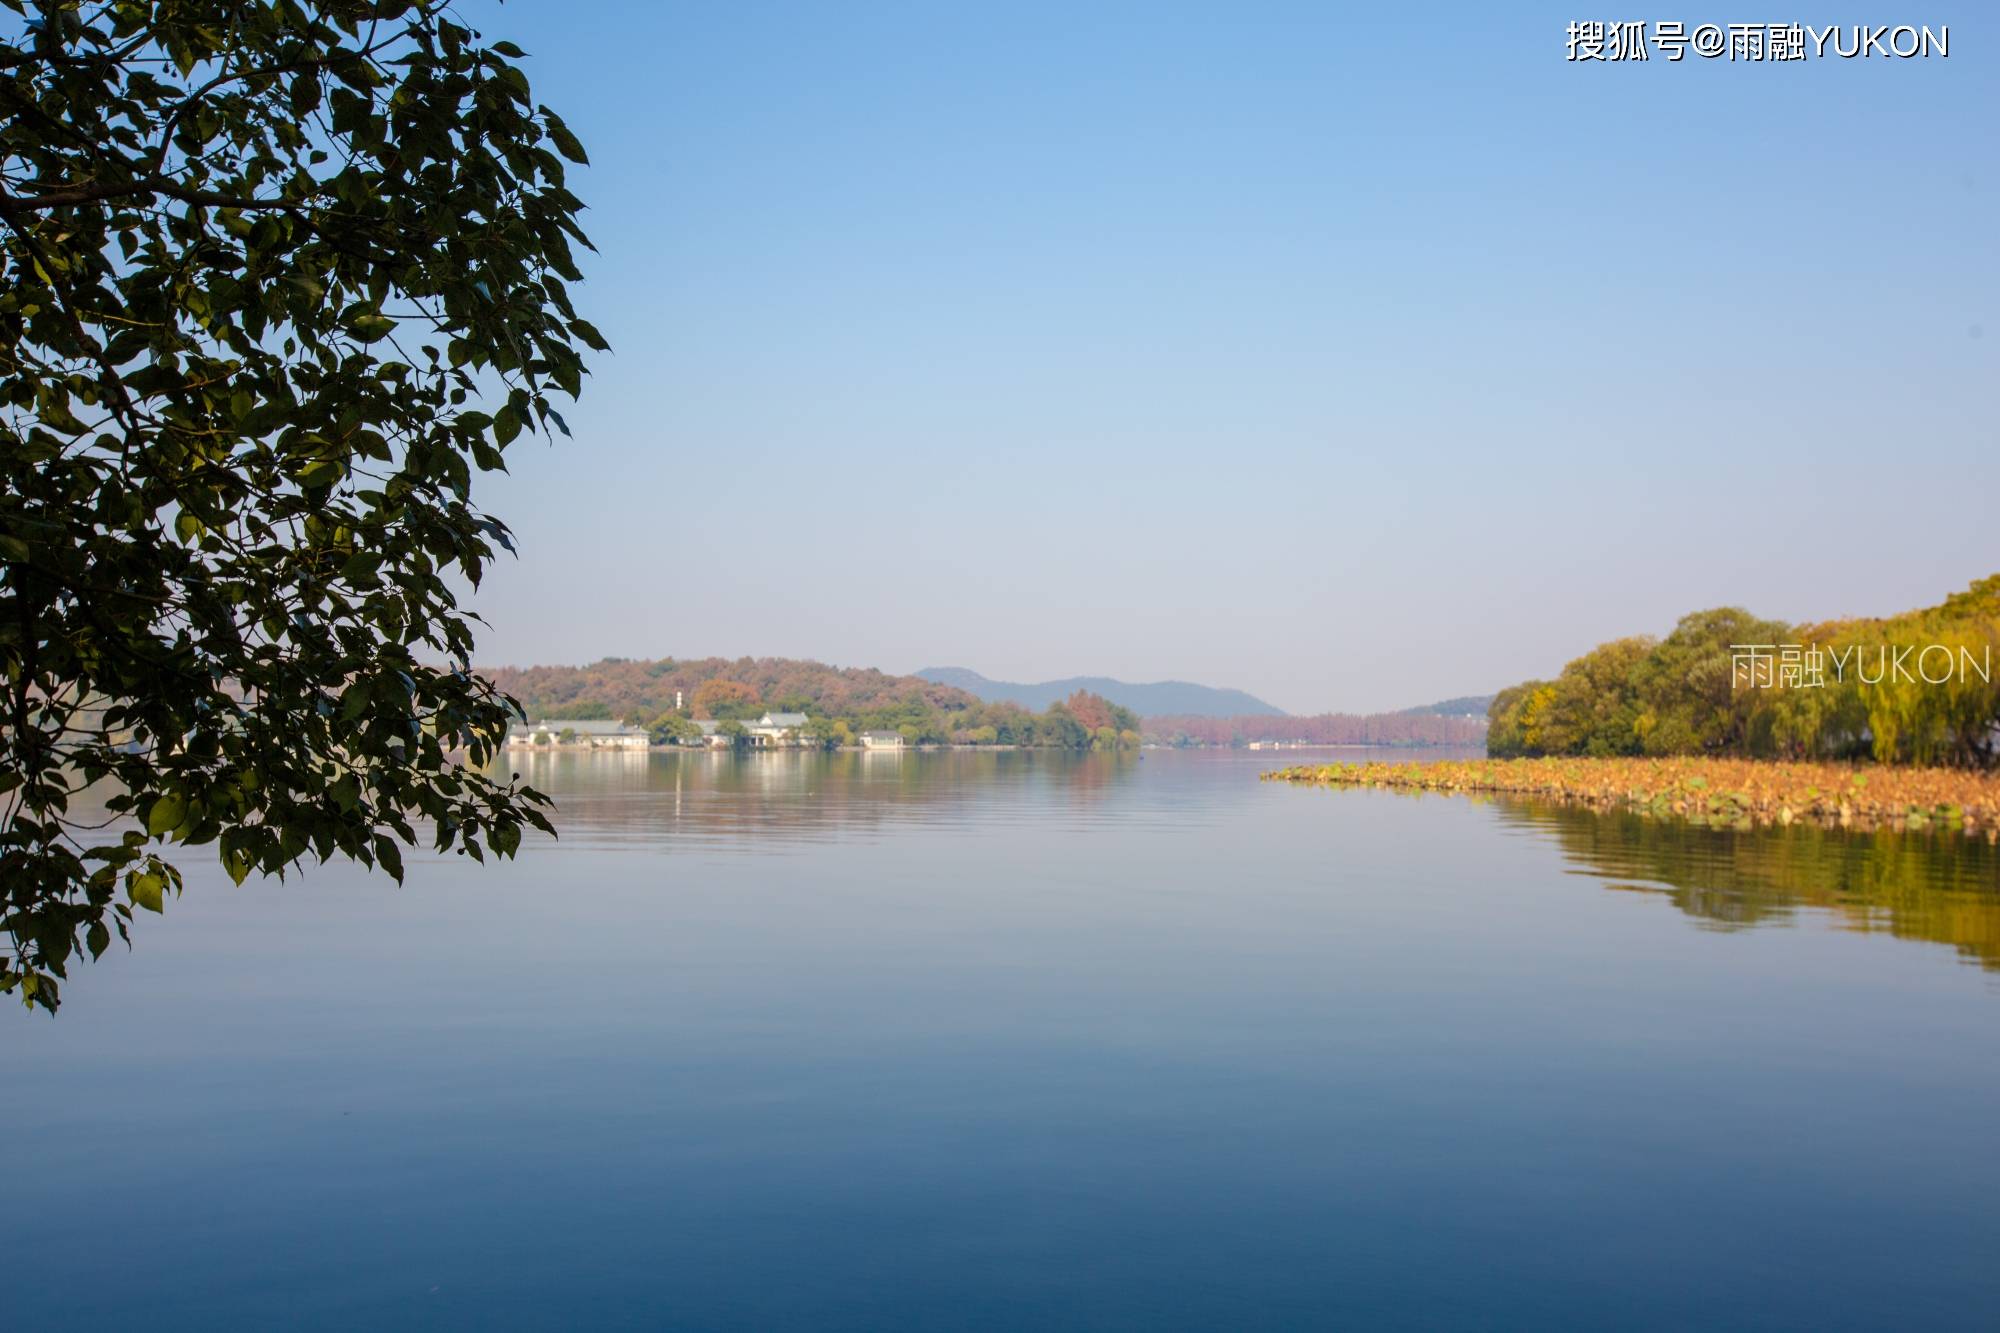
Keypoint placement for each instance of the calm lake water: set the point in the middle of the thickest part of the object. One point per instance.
(1015, 1041)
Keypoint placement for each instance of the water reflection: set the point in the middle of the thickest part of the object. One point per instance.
(1939, 887)
(1922, 886)
(777, 801)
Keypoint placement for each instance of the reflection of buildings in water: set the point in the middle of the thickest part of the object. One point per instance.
(548, 756)
(1940, 887)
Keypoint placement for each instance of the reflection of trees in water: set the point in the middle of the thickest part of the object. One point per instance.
(1938, 887)
(1089, 778)
(796, 795)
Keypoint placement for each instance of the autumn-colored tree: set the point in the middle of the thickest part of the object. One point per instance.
(1090, 710)
(725, 699)
(1510, 719)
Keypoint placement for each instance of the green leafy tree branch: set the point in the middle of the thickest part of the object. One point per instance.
(280, 278)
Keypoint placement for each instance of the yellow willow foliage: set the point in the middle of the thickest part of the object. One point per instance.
(1917, 688)
(1923, 685)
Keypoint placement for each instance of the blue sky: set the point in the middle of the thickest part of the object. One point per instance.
(1351, 357)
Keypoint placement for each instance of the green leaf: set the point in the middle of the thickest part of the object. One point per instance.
(167, 814)
(147, 890)
(506, 425)
(370, 328)
(322, 472)
(566, 143)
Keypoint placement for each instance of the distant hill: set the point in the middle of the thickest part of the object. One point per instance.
(1175, 697)
(1466, 705)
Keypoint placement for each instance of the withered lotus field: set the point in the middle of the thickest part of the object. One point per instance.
(1729, 792)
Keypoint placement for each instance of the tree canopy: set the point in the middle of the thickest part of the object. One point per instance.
(281, 277)
(727, 700)
(1865, 698)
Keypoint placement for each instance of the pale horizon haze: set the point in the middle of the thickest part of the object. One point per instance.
(1353, 357)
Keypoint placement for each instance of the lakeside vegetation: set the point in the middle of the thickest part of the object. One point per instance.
(1686, 693)
(1721, 792)
(667, 696)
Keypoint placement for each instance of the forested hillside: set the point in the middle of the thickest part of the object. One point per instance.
(637, 689)
(840, 702)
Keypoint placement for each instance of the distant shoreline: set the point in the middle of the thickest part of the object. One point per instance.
(585, 747)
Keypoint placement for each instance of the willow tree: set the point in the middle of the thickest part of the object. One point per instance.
(280, 278)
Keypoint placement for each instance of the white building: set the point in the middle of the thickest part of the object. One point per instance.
(882, 740)
(589, 733)
(775, 729)
(769, 732)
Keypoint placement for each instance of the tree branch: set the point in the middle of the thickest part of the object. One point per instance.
(13, 205)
